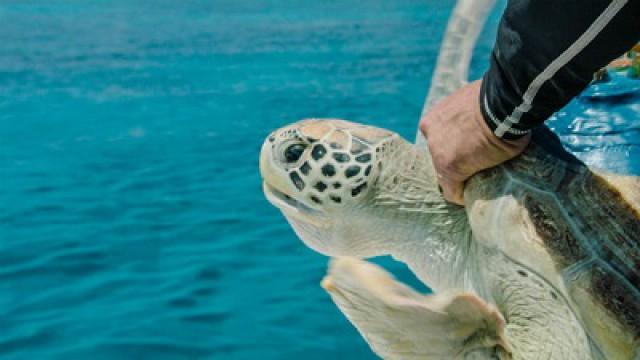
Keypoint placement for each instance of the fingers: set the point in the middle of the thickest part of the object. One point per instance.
(452, 190)
(452, 185)
(461, 143)
(422, 125)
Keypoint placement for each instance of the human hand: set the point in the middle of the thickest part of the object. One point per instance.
(461, 143)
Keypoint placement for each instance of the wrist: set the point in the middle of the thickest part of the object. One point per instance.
(513, 143)
(492, 103)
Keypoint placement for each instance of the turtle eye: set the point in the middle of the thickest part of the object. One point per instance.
(293, 152)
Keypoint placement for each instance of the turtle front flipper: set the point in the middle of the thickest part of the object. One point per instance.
(399, 323)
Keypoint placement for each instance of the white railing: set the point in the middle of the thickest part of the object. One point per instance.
(452, 67)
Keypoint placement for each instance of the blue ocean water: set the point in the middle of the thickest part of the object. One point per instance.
(132, 223)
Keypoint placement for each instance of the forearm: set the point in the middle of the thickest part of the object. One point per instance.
(546, 53)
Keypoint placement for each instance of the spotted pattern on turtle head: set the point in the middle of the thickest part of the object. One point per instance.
(336, 163)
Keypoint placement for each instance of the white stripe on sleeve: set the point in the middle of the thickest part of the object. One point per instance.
(584, 40)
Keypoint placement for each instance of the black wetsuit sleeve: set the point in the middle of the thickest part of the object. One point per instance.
(546, 52)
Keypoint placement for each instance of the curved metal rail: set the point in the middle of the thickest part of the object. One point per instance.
(452, 67)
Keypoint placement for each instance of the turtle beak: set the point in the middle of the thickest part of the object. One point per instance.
(271, 173)
(277, 188)
(265, 157)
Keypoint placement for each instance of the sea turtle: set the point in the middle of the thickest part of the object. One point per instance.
(543, 262)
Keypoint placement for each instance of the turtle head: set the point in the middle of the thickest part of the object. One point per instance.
(323, 175)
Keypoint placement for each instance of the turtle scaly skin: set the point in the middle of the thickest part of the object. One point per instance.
(548, 242)
(579, 228)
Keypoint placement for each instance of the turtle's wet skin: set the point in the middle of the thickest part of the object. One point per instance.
(318, 174)
(543, 262)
